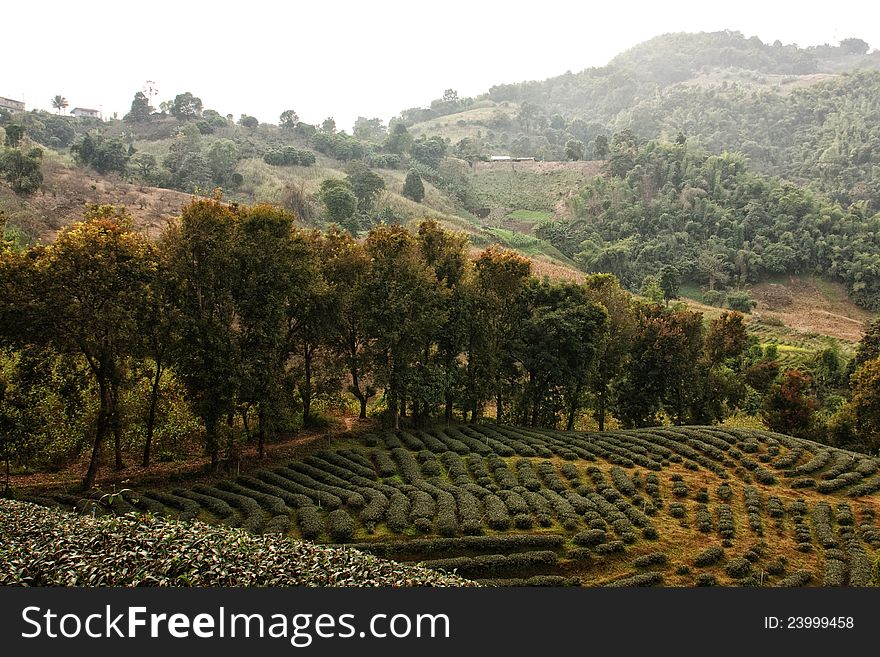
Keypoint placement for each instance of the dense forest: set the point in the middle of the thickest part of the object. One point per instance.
(236, 325)
(714, 221)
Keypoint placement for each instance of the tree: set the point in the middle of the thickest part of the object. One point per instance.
(275, 271)
(600, 144)
(854, 46)
(22, 171)
(222, 158)
(670, 282)
(140, 111)
(613, 351)
(144, 163)
(574, 149)
(868, 347)
(186, 106)
(651, 289)
(339, 199)
(328, 126)
(248, 121)
(59, 102)
(399, 141)
(428, 151)
(288, 119)
(866, 403)
(413, 188)
(365, 183)
(492, 318)
(346, 268)
(14, 134)
(726, 337)
(788, 407)
(369, 129)
(400, 310)
(202, 271)
(91, 281)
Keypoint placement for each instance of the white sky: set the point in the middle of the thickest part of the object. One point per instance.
(346, 58)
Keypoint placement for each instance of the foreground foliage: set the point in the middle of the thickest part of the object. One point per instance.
(43, 547)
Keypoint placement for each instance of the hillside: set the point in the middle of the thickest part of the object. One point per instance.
(677, 506)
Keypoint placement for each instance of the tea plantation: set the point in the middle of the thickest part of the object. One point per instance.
(684, 506)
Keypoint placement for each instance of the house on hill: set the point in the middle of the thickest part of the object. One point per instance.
(14, 105)
(84, 113)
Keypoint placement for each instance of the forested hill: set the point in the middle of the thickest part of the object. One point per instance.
(807, 114)
(598, 94)
(714, 221)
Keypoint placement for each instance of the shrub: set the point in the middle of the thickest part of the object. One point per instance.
(642, 579)
(799, 578)
(706, 579)
(738, 568)
(589, 537)
(651, 559)
(310, 521)
(709, 557)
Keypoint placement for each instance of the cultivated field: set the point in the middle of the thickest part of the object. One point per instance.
(509, 506)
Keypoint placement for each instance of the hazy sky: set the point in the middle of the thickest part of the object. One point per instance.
(346, 58)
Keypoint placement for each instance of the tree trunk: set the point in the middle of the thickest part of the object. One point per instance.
(602, 409)
(151, 417)
(100, 434)
(261, 433)
(498, 407)
(211, 444)
(306, 389)
(356, 391)
(448, 412)
(6, 487)
(392, 407)
(116, 424)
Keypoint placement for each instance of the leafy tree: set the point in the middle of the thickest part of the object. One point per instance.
(288, 119)
(91, 282)
(670, 282)
(186, 106)
(500, 277)
(600, 145)
(613, 350)
(574, 149)
(789, 407)
(14, 134)
(274, 272)
(726, 338)
(854, 46)
(369, 129)
(866, 403)
(346, 268)
(401, 283)
(248, 121)
(399, 141)
(413, 188)
(103, 155)
(144, 163)
(140, 109)
(222, 158)
(868, 347)
(22, 171)
(328, 126)
(365, 184)
(339, 199)
(59, 102)
(741, 300)
(651, 289)
(202, 269)
(428, 151)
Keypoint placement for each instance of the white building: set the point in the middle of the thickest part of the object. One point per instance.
(84, 113)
